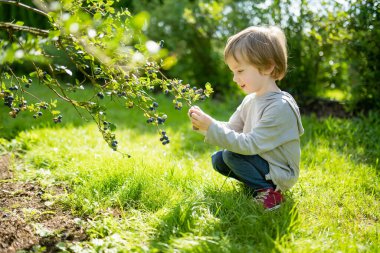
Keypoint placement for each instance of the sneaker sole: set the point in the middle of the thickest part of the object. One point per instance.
(273, 208)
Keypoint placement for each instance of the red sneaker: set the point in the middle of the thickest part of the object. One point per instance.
(269, 198)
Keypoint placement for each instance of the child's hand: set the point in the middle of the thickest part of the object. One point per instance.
(199, 119)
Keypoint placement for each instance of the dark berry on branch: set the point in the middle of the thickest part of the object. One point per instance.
(100, 95)
(114, 144)
(35, 116)
(57, 120)
(163, 133)
(30, 80)
(199, 91)
(155, 104)
(39, 113)
(160, 120)
(166, 91)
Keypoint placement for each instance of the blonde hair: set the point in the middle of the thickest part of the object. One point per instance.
(263, 47)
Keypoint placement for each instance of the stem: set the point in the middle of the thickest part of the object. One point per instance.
(33, 30)
(73, 61)
(17, 3)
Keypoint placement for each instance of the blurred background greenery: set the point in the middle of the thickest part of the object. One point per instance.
(333, 45)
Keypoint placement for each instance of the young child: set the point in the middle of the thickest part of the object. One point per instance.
(261, 140)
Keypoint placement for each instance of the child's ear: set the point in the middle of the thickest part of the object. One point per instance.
(269, 70)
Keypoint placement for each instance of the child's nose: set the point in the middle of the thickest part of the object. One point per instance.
(235, 79)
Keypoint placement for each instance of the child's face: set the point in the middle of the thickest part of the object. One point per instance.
(248, 77)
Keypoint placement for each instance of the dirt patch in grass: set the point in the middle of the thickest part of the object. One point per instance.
(28, 219)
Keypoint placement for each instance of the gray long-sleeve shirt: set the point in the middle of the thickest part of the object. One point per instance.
(268, 125)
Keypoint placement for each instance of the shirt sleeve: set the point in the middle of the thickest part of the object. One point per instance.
(275, 128)
(236, 121)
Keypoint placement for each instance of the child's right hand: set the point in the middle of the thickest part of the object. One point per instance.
(199, 119)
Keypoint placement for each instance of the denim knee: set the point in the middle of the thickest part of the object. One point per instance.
(219, 165)
(230, 157)
(217, 160)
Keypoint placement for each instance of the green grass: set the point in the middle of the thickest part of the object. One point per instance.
(169, 199)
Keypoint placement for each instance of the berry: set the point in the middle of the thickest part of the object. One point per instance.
(155, 104)
(39, 114)
(100, 95)
(160, 120)
(30, 80)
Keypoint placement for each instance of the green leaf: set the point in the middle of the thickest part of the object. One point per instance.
(112, 127)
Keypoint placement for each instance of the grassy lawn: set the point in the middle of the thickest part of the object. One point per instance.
(169, 199)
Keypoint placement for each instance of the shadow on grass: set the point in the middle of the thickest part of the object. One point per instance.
(225, 221)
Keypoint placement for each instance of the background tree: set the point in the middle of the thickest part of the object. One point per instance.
(327, 42)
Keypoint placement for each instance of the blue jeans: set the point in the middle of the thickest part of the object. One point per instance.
(249, 169)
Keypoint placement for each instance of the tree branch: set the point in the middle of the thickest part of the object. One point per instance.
(33, 30)
(17, 3)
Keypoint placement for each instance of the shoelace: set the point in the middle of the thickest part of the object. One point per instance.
(261, 196)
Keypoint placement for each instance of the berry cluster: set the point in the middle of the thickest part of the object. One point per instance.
(8, 99)
(13, 113)
(13, 88)
(164, 139)
(38, 114)
(58, 119)
(178, 106)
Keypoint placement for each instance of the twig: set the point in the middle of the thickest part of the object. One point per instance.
(33, 30)
(17, 3)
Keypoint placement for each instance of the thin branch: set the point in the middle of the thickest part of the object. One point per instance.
(33, 30)
(17, 3)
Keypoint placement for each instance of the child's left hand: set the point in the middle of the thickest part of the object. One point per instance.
(199, 119)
